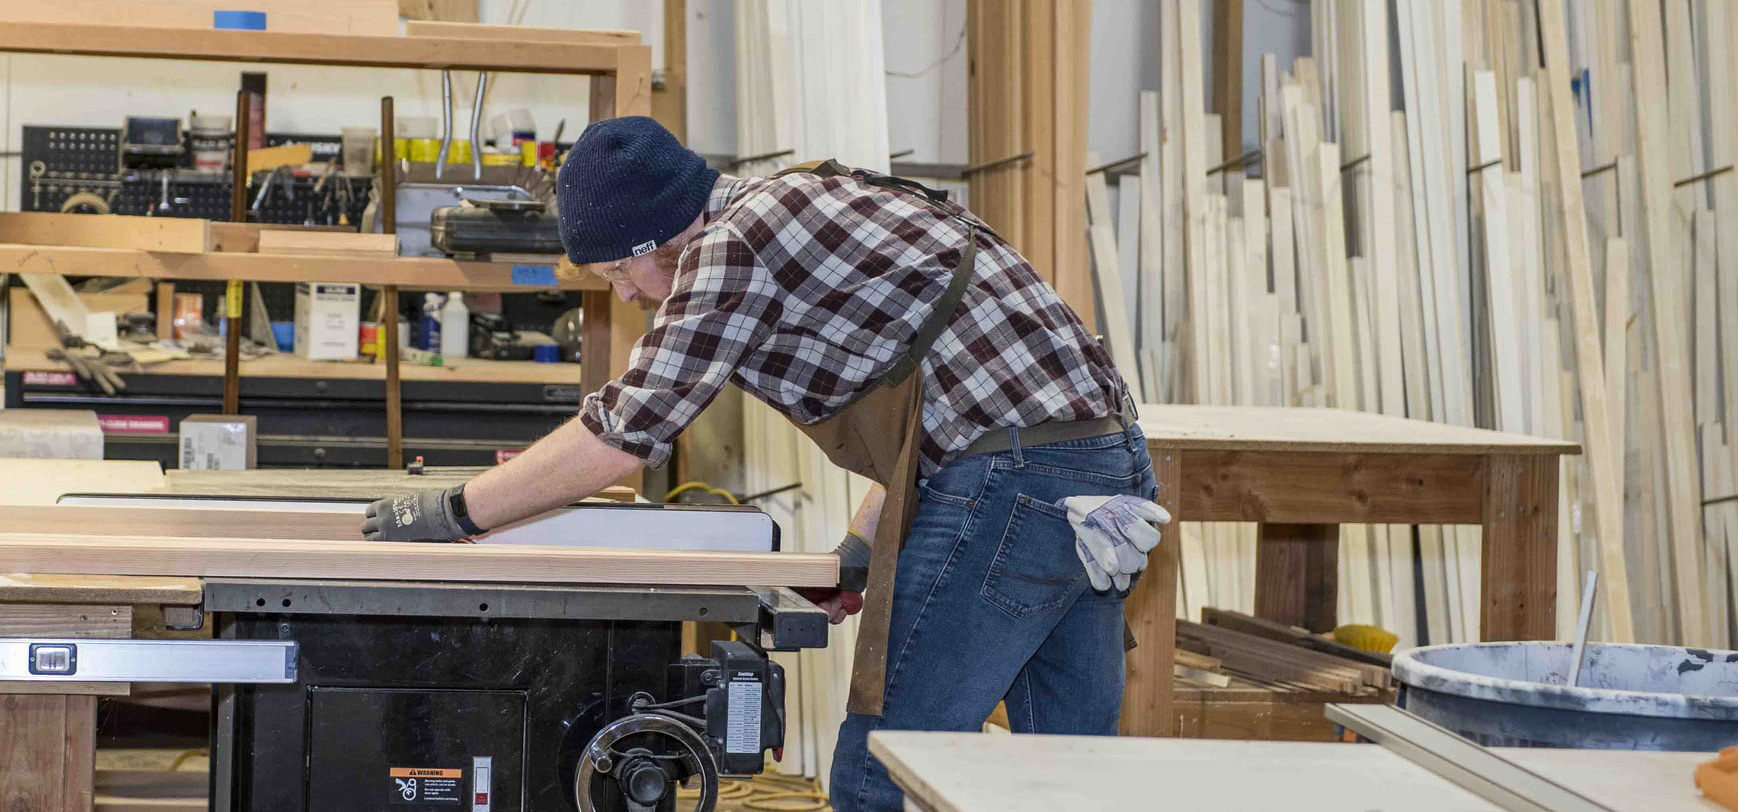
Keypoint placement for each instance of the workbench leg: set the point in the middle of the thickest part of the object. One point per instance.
(1519, 600)
(47, 752)
(1297, 573)
(1151, 614)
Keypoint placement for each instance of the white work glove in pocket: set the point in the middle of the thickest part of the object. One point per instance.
(1112, 535)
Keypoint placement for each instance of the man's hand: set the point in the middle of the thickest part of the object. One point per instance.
(422, 516)
(847, 599)
(839, 603)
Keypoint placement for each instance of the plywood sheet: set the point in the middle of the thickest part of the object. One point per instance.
(1284, 429)
(974, 772)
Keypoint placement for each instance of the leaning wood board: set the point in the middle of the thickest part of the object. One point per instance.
(1589, 359)
(294, 558)
(167, 234)
(1682, 501)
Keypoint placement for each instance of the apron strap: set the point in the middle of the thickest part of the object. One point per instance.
(940, 318)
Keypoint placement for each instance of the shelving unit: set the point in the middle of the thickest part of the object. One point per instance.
(621, 85)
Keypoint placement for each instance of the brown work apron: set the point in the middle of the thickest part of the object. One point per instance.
(877, 435)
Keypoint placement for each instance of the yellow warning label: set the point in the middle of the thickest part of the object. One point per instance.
(425, 772)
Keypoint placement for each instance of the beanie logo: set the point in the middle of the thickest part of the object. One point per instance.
(644, 248)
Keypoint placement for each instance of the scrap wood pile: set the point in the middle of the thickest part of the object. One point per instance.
(1233, 645)
(1539, 236)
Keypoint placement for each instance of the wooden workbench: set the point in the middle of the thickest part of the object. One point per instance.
(973, 772)
(1302, 472)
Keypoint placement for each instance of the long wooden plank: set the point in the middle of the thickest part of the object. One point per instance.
(1683, 497)
(1506, 351)
(170, 234)
(410, 273)
(1571, 216)
(290, 558)
(1108, 272)
(372, 17)
(186, 522)
(1151, 240)
(453, 53)
(1194, 191)
(1290, 488)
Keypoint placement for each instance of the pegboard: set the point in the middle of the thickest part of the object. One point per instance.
(87, 159)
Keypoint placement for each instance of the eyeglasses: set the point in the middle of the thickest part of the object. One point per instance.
(616, 272)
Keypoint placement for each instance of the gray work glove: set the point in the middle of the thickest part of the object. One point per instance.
(430, 515)
(1112, 535)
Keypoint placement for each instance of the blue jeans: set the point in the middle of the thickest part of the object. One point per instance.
(992, 604)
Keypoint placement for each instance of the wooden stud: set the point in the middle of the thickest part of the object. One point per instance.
(1151, 618)
(1607, 493)
(1676, 396)
(1520, 549)
(1297, 570)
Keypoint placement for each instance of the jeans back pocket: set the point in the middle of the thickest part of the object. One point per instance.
(1035, 569)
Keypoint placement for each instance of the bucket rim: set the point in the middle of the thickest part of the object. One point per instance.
(1410, 670)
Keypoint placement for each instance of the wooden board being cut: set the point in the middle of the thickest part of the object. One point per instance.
(293, 558)
(340, 243)
(186, 522)
(167, 234)
(330, 483)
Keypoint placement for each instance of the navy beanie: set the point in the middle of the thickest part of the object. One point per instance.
(626, 187)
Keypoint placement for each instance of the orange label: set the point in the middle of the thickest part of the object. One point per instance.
(425, 772)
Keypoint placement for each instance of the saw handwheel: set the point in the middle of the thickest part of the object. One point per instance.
(643, 777)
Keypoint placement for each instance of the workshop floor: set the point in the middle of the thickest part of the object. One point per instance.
(174, 781)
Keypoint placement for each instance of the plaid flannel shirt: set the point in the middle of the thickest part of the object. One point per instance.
(803, 291)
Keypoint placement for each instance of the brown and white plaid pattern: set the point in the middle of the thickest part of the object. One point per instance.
(803, 291)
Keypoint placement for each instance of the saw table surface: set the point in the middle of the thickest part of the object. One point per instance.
(972, 772)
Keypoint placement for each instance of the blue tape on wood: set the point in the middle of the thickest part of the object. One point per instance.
(542, 276)
(239, 20)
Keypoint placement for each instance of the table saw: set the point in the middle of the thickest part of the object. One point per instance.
(337, 694)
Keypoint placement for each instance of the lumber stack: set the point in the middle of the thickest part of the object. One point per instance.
(1217, 650)
(1542, 240)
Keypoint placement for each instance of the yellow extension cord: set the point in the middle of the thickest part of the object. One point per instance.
(700, 486)
(769, 793)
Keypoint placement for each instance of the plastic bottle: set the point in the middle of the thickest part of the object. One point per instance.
(429, 334)
(455, 327)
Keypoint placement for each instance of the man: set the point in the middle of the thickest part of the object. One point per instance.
(917, 348)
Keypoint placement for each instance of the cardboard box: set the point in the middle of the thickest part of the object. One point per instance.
(328, 318)
(63, 434)
(219, 442)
